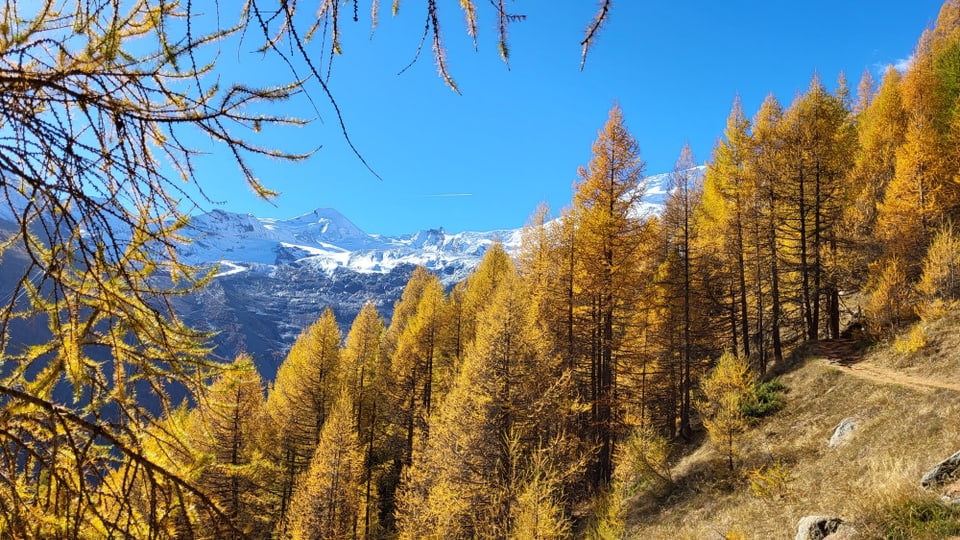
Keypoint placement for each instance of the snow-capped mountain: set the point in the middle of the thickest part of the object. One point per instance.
(325, 241)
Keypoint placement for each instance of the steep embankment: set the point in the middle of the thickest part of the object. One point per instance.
(906, 408)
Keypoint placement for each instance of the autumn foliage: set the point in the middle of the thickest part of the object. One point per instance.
(531, 400)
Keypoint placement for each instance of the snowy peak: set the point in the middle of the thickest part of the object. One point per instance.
(429, 238)
(321, 226)
(228, 224)
(325, 241)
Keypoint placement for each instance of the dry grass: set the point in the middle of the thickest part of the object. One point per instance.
(902, 433)
(937, 358)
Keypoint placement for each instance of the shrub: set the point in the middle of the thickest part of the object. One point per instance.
(642, 462)
(765, 398)
(770, 482)
(913, 341)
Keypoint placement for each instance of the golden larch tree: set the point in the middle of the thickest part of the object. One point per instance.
(300, 401)
(609, 233)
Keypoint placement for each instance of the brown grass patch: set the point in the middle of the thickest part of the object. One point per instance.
(902, 433)
(939, 357)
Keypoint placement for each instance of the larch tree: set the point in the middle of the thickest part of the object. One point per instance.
(106, 108)
(465, 479)
(479, 288)
(610, 234)
(299, 403)
(226, 427)
(366, 370)
(467, 299)
(881, 126)
(414, 345)
(327, 500)
(100, 105)
(725, 217)
(539, 513)
(923, 195)
(724, 392)
(548, 263)
(919, 194)
(679, 229)
(818, 145)
(419, 359)
(939, 285)
(764, 169)
(147, 503)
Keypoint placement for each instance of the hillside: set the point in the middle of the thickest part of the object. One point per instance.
(907, 409)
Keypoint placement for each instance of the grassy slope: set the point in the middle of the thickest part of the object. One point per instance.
(903, 432)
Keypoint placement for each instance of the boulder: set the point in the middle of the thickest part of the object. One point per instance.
(844, 532)
(943, 474)
(817, 527)
(843, 432)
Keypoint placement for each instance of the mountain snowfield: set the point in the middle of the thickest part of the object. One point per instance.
(326, 241)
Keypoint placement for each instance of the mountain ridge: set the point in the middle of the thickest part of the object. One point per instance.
(327, 240)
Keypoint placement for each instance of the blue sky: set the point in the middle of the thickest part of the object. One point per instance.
(483, 160)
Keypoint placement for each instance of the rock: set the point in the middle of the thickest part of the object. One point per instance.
(944, 473)
(844, 532)
(843, 432)
(817, 527)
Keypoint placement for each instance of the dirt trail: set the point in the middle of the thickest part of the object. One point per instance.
(871, 372)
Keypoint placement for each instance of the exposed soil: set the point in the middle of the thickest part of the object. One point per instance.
(872, 372)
